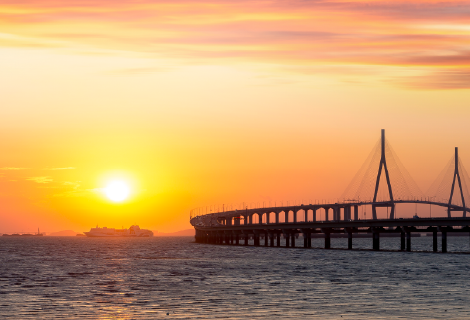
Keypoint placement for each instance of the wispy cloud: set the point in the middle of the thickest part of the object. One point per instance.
(331, 33)
(444, 79)
(12, 168)
(138, 71)
(74, 184)
(40, 179)
(65, 168)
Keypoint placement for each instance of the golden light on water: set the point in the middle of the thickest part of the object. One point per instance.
(117, 191)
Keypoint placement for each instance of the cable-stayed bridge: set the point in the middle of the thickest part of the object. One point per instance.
(381, 182)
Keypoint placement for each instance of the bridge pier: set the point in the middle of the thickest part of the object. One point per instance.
(237, 240)
(305, 235)
(247, 237)
(408, 241)
(350, 240)
(266, 238)
(444, 240)
(434, 241)
(272, 239)
(256, 237)
(402, 238)
(287, 236)
(278, 239)
(376, 241)
(356, 213)
(326, 213)
(327, 240)
(293, 239)
(314, 214)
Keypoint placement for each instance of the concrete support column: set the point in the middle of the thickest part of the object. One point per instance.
(237, 240)
(349, 240)
(327, 240)
(277, 217)
(305, 234)
(250, 219)
(272, 239)
(376, 241)
(434, 241)
(266, 239)
(356, 213)
(229, 221)
(287, 236)
(293, 239)
(314, 218)
(256, 237)
(444, 241)
(247, 237)
(306, 215)
(402, 236)
(309, 239)
(278, 239)
(260, 218)
(326, 213)
(295, 215)
(408, 241)
(286, 216)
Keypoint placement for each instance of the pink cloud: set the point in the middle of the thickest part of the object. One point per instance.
(333, 33)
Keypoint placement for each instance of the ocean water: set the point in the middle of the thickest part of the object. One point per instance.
(175, 278)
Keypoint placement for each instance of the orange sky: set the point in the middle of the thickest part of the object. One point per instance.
(199, 103)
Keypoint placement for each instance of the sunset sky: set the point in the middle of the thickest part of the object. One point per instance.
(196, 103)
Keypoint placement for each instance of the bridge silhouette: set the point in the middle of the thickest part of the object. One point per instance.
(382, 182)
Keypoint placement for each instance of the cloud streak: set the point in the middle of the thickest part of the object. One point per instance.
(45, 179)
(430, 34)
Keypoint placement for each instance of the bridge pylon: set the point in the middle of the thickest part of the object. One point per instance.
(456, 175)
(383, 164)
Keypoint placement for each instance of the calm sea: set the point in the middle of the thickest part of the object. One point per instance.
(174, 278)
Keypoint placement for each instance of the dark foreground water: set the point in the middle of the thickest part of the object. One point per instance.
(174, 278)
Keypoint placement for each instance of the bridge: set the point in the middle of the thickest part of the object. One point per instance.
(387, 186)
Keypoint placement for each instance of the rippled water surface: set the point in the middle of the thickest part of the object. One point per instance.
(174, 278)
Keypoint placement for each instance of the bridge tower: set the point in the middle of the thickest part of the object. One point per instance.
(456, 174)
(383, 163)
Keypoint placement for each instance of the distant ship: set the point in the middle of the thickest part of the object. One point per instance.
(133, 231)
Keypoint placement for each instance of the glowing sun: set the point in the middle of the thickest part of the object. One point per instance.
(117, 191)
